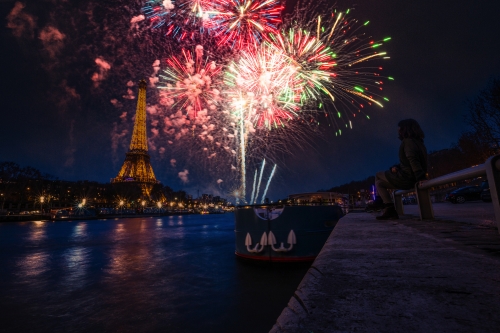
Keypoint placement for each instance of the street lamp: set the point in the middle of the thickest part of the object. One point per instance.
(121, 205)
(42, 199)
(159, 207)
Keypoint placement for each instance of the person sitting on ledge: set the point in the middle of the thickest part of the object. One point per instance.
(412, 167)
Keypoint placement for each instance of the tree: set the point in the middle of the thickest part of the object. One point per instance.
(9, 172)
(484, 118)
(20, 184)
(445, 161)
(473, 148)
(156, 193)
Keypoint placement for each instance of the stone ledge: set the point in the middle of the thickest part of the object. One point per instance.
(395, 276)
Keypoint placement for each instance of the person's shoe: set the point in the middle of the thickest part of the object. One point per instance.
(376, 206)
(389, 213)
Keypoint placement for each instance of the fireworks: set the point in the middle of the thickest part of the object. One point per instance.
(158, 11)
(188, 83)
(262, 82)
(198, 8)
(311, 59)
(271, 85)
(232, 21)
(243, 22)
(261, 89)
(297, 70)
(329, 65)
(179, 19)
(351, 82)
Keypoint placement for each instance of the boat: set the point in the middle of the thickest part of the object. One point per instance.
(293, 232)
(71, 214)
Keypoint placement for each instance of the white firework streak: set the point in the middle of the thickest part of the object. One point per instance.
(253, 189)
(260, 179)
(268, 182)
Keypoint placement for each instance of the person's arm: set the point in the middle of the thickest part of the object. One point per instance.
(412, 153)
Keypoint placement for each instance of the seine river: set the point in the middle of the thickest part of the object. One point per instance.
(160, 274)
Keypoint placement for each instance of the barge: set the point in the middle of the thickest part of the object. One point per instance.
(293, 232)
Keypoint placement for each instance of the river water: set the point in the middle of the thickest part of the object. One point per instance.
(159, 274)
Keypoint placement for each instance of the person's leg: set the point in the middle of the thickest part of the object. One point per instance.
(382, 185)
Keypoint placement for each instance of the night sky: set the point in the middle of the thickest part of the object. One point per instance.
(67, 116)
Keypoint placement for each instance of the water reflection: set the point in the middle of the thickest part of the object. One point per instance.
(76, 261)
(80, 230)
(136, 269)
(33, 264)
(130, 252)
(119, 228)
(37, 231)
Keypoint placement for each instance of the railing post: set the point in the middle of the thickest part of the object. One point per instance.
(424, 203)
(493, 176)
(398, 203)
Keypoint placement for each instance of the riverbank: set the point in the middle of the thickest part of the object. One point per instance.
(403, 276)
(40, 217)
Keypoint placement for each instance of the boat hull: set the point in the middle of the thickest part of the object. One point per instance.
(296, 233)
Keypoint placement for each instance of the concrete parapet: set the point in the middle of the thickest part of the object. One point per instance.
(400, 276)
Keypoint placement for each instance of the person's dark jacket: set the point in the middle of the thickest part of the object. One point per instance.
(412, 165)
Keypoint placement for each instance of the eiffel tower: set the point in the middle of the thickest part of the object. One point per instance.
(137, 167)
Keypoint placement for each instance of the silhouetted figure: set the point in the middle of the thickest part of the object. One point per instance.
(411, 169)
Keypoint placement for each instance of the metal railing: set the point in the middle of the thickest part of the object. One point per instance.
(490, 169)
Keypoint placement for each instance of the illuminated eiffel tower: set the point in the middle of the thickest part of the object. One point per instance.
(137, 167)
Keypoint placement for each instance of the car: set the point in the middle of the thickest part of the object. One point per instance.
(411, 200)
(463, 194)
(485, 193)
